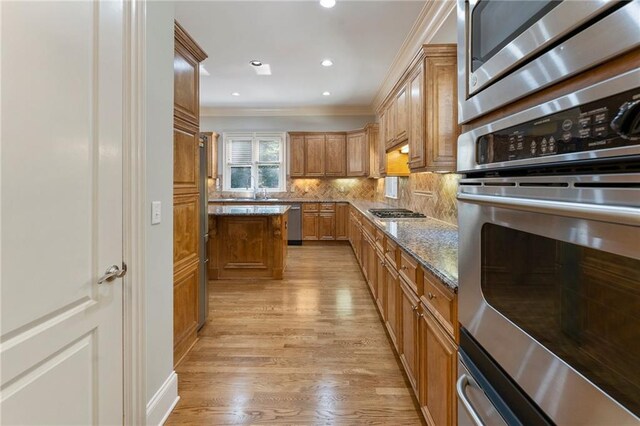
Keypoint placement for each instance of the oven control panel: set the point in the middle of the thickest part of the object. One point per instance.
(606, 123)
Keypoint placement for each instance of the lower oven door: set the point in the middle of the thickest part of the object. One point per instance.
(550, 287)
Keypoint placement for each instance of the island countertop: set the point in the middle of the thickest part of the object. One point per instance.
(248, 210)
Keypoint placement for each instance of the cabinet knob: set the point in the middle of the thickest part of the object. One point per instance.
(415, 308)
(404, 267)
(421, 315)
(431, 295)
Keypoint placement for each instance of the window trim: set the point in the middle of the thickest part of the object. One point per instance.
(228, 137)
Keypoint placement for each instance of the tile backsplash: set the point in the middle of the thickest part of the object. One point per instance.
(433, 194)
(320, 189)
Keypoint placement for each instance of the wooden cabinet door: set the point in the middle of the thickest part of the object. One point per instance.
(393, 287)
(335, 155)
(417, 158)
(372, 132)
(381, 292)
(186, 71)
(357, 154)
(382, 154)
(342, 218)
(327, 226)
(437, 375)
(186, 157)
(314, 155)
(390, 118)
(371, 267)
(296, 156)
(442, 128)
(401, 110)
(409, 310)
(309, 226)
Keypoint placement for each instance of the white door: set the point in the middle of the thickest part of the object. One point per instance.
(61, 182)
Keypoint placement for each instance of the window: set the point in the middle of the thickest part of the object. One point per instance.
(391, 187)
(254, 161)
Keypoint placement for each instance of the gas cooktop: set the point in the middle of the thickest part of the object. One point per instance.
(395, 213)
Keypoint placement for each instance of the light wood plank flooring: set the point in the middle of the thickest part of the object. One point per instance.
(309, 349)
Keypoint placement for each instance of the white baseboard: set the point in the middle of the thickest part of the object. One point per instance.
(163, 402)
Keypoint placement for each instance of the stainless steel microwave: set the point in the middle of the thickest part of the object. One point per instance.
(508, 49)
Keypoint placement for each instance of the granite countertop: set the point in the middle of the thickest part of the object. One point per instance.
(275, 200)
(432, 242)
(248, 210)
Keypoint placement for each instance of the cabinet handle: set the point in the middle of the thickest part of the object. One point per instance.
(404, 268)
(421, 315)
(431, 295)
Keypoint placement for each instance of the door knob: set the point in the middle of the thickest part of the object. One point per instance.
(112, 273)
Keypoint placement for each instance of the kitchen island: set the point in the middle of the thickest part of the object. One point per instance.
(247, 241)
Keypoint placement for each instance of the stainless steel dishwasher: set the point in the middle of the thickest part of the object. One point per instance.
(295, 225)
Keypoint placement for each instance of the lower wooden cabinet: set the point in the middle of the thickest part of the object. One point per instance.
(438, 361)
(310, 226)
(393, 287)
(419, 313)
(409, 312)
(327, 226)
(342, 221)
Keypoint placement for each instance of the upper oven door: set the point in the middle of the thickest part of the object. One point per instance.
(508, 49)
(549, 285)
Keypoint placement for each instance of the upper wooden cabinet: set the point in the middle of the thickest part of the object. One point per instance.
(314, 151)
(186, 70)
(210, 141)
(422, 111)
(357, 154)
(335, 155)
(417, 158)
(401, 110)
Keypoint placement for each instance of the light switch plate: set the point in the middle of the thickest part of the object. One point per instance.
(156, 212)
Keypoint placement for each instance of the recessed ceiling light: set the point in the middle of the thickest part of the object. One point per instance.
(326, 93)
(235, 94)
(256, 63)
(326, 62)
(327, 3)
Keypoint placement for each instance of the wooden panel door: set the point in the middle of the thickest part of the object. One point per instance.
(296, 155)
(342, 221)
(314, 155)
(417, 158)
(62, 212)
(327, 226)
(401, 111)
(442, 128)
(309, 226)
(335, 155)
(409, 310)
(372, 133)
(437, 372)
(357, 154)
(392, 295)
(382, 154)
(390, 120)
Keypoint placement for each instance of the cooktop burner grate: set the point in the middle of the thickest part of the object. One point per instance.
(395, 213)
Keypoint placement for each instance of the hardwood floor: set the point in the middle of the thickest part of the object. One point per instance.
(309, 349)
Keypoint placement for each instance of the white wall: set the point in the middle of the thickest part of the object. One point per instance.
(288, 123)
(447, 32)
(159, 175)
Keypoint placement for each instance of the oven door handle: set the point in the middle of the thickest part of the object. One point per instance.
(613, 214)
(461, 384)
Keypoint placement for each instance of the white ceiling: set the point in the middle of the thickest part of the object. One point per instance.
(361, 37)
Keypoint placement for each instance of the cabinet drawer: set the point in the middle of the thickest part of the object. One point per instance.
(441, 301)
(391, 253)
(310, 207)
(408, 269)
(328, 207)
(379, 239)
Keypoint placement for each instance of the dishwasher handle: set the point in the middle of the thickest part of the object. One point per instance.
(461, 384)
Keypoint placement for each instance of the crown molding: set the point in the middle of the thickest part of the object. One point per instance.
(286, 112)
(429, 21)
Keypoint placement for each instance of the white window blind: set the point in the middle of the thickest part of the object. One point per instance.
(254, 162)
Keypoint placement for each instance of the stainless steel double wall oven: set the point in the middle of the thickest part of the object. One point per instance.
(549, 291)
